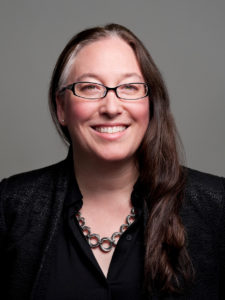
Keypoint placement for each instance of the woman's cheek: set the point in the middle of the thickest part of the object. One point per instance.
(80, 111)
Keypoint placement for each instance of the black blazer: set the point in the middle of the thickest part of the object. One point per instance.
(30, 209)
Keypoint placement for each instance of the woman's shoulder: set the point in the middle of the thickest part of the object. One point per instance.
(21, 187)
(204, 198)
(203, 187)
(31, 195)
(197, 180)
(30, 178)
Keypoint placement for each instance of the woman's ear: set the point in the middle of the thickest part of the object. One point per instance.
(60, 107)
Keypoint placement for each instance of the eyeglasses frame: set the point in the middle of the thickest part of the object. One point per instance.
(71, 87)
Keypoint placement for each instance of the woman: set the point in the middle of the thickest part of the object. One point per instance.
(120, 218)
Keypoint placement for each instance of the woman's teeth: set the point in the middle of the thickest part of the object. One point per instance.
(113, 129)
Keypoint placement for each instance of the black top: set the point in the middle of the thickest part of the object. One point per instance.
(75, 273)
(31, 209)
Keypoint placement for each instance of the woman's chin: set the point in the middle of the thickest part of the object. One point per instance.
(113, 157)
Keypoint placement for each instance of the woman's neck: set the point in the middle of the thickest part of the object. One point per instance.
(105, 183)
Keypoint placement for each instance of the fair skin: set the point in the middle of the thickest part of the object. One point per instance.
(104, 162)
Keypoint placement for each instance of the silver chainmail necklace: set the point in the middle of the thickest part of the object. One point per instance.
(94, 239)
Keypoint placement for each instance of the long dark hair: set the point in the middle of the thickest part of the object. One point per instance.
(167, 263)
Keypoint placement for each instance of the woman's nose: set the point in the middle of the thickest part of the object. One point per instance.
(110, 105)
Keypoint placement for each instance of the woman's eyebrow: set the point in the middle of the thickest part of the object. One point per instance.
(92, 75)
(99, 77)
(127, 75)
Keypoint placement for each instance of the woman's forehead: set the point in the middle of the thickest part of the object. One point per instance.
(105, 57)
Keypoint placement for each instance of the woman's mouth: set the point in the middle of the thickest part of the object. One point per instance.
(110, 129)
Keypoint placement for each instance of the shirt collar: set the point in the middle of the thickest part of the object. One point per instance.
(73, 195)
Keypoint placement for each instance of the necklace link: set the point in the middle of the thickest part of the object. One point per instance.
(94, 239)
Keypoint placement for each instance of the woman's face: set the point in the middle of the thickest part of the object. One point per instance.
(111, 62)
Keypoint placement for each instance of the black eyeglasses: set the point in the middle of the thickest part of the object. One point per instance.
(93, 91)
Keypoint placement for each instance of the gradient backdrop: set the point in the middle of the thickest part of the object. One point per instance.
(185, 37)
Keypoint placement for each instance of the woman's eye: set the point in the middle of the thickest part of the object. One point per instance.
(130, 87)
(88, 87)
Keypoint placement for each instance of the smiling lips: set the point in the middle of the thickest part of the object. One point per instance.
(110, 129)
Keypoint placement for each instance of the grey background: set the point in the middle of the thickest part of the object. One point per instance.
(185, 37)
